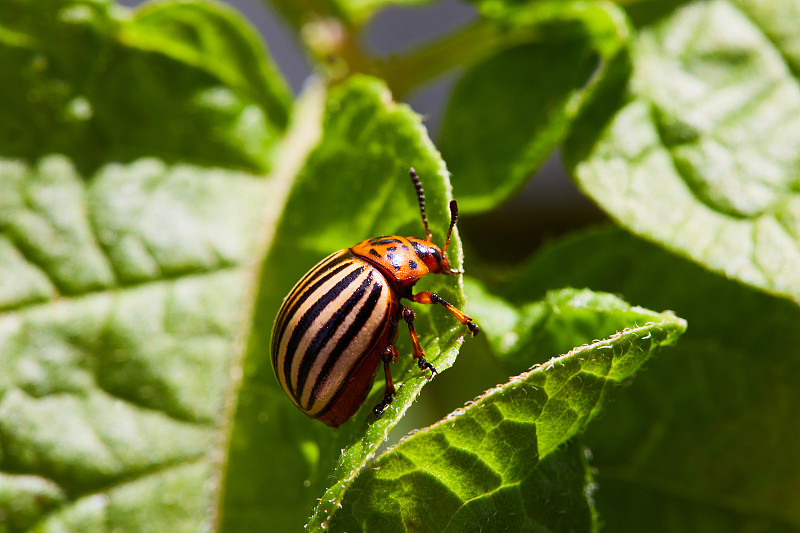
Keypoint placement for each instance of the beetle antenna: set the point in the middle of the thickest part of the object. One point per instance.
(421, 198)
(453, 219)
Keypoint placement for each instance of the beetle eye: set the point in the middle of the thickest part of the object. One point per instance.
(436, 255)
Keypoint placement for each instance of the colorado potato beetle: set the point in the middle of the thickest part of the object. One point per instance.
(340, 320)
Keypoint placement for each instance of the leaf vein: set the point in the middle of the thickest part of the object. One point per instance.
(133, 286)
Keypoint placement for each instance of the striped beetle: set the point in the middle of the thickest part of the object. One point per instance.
(340, 320)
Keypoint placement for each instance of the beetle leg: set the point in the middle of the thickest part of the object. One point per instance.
(431, 298)
(388, 356)
(418, 353)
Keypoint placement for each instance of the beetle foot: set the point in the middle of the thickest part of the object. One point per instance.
(381, 407)
(424, 365)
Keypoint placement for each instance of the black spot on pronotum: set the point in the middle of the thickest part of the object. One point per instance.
(392, 248)
(380, 241)
(374, 253)
(412, 264)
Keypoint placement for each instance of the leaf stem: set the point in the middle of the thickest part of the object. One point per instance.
(341, 53)
(424, 63)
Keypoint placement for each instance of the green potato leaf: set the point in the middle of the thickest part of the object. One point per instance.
(701, 153)
(81, 79)
(408, 493)
(526, 332)
(508, 112)
(500, 463)
(209, 36)
(707, 438)
(131, 190)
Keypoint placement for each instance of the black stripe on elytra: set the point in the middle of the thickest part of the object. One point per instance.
(327, 331)
(286, 314)
(361, 318)
(299, 287)
(322, 265)
(308, 318)
(380, 241)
